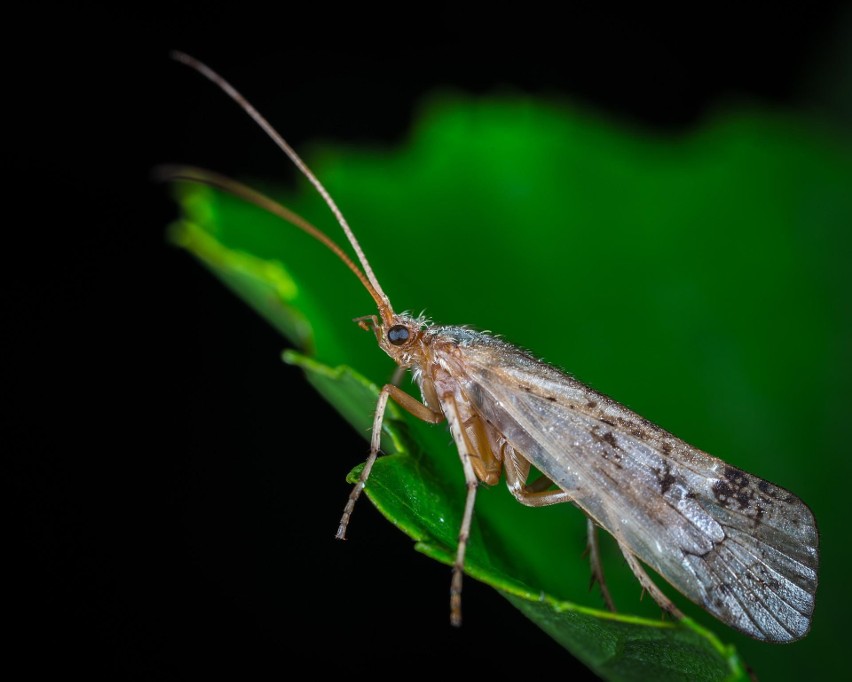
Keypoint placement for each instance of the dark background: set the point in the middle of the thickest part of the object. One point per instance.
(164, 524)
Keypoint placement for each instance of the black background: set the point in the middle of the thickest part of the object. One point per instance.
(164, 522)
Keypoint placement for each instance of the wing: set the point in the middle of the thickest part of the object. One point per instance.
(741, 547)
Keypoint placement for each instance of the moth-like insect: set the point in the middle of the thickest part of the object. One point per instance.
(742, 548)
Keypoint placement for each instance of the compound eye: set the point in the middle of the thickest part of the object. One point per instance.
(398, 334)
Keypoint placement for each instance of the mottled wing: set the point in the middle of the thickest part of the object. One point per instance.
(741, 547)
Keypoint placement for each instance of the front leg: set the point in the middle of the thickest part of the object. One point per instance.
(407, 403)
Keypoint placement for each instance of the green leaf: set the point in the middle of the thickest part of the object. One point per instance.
(689, 278)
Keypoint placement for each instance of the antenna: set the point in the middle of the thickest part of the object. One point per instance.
(371, 283)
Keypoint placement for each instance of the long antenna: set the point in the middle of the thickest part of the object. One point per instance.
(382, 301)
(238, 189)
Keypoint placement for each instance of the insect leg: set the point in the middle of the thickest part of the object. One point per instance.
(536, 494)
(483, 448)
(597, 565)
(517, 468)
(409, 404)
(451, 410)
(647, 584)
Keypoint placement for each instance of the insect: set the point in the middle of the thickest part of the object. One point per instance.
(742, 548)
